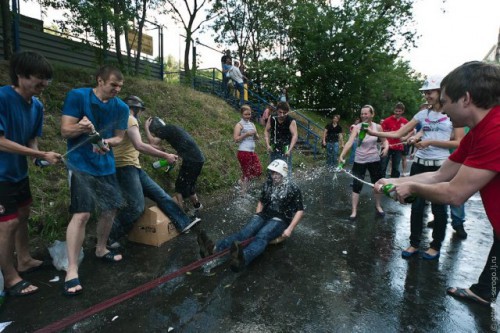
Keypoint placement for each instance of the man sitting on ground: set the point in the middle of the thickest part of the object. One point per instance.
(278, 212)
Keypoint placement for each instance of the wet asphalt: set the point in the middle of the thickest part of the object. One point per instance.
(332, 275)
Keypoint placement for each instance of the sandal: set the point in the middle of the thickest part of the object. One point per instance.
(463, 294)
(71, 284)
(110, 257)
(17, 289)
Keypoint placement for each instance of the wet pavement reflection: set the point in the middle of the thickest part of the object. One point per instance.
(332, 275)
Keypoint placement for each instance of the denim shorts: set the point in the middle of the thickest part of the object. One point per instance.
(90, 193)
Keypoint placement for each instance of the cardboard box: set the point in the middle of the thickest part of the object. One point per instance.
(153, 227)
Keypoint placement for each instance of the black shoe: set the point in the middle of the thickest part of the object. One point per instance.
(237, 259)
(430, 224)
(460, 232)
(206, 244)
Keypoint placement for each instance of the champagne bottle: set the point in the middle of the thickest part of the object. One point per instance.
(362, 132)
(387, 190)
(163, 163)
(96, 140)
(41, 163)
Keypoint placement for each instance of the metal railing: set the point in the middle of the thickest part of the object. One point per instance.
(209, 80)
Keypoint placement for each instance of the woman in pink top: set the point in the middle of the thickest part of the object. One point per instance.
(367, 158)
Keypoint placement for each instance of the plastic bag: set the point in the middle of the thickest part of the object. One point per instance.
(59, 255)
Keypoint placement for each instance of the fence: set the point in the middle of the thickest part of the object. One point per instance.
(66, 51)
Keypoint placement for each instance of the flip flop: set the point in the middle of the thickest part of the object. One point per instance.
(109, 257)
(462, 294)
(71, 284)
(17, 289)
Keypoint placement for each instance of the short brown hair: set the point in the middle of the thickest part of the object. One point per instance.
(480, 79)
(283, 106)
(104, 72)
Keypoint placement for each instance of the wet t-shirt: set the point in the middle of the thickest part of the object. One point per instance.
(182, 142)
(281, 201)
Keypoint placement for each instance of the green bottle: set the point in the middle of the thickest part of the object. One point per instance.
(285, 149)
(163, 163)
(362, 132)
(339, 167)
(96, 140)
(387, 190)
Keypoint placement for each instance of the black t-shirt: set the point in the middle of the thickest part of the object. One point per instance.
(280, 135)
(182, 142)
(282, 201)
(332, 134)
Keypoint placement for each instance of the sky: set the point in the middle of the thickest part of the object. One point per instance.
(451, 33)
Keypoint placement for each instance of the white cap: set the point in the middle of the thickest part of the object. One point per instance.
(279, 166)
(432, 82)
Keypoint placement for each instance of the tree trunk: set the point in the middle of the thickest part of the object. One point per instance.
(118, 32)
(139, 38)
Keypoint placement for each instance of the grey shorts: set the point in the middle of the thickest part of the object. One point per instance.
(90, 193)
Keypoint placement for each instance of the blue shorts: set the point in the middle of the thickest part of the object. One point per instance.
(90, 193)
(12, 197)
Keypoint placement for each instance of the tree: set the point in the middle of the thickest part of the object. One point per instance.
(254, 26)
(188, 21)
(347, 54)
(92, 18)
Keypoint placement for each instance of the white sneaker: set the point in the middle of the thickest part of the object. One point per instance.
(190, 225)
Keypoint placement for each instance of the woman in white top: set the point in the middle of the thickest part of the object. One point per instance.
(433, 150)
(367, 158)
(245, 133)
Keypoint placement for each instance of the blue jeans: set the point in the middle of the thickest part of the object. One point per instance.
(353, 151)
(264, 232)
(332, 151)
(395, 156)
(241, 90)
(278, 155)
(135, 184)
(457, 215)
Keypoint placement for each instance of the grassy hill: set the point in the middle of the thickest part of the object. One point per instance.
(208, 119)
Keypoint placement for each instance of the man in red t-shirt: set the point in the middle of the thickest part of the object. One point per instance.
(392, 124)
(470, 95)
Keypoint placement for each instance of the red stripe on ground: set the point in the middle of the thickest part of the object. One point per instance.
(76, 317)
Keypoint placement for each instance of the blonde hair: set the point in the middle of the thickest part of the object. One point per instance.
(245, 107)
(368, 106)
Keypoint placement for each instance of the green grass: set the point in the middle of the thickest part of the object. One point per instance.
(208, 119)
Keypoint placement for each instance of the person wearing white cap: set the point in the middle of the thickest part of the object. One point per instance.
(278, 212)
(437, 131)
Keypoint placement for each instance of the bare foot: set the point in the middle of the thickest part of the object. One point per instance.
(432, 252)
(29, 265)
(411, 249)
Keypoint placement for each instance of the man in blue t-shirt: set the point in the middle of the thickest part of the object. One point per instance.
(21, 119)
(93, 121)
